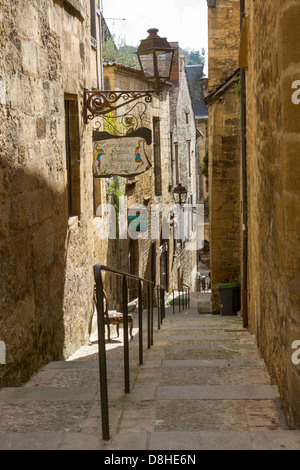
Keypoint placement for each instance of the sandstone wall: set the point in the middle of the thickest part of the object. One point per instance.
(273, 137)
(224, 36)
(184, 135)
(224, 192)
(46, 276)
(141, 189)
(224, 146)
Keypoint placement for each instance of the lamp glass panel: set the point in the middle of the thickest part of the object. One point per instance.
(147, 64)
(164, 62)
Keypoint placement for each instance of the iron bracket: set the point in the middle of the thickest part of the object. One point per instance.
(101, 103)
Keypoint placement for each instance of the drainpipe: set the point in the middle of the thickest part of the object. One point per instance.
(99, 25)
(244, 185)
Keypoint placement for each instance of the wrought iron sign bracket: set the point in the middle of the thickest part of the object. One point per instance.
(101, 103)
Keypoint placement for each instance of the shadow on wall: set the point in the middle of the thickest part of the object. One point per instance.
(32, 276)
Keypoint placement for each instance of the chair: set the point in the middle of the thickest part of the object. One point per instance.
(114, 318)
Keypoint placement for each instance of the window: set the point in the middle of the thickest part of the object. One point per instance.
(72, 154)
(93, 21)
(157, 156)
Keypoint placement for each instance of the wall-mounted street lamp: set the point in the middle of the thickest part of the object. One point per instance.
(155, 56)
(180, 194)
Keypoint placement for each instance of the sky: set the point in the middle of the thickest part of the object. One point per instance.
(183, 21)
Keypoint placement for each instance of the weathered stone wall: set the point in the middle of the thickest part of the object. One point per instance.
(46, 276)
(224, 192)
(273, 147)
(184, 136)
(224, 146)
(141, 189)
(137, 256)
(224, 36)
(202, 150)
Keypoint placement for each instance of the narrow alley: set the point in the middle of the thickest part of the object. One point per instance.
(203, 386)
(139, 170)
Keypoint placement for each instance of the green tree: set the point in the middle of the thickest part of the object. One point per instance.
(116, 50)
(205, 165)
(193, 57)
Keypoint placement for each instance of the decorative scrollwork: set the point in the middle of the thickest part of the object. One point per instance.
(123, 124)
(101, 103)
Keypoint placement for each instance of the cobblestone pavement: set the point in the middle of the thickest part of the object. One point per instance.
(203, 385)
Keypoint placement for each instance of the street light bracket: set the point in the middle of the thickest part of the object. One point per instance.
(101, 103)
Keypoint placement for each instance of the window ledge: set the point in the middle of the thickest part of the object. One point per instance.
(77, 7)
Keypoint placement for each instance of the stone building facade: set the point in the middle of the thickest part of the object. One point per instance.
(46, 186)
(198, 85)
(153, 255)
(273, 144)
(184, 168)
(267, 50)
(224, 145)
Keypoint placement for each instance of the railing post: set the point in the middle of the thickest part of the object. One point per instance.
(148, 316)
(126, 343)
(151, 314)
(179, 300)
(189, 293)
(158, 306)
(102, 353)
(173, 303)
(140, 324)
(163, 303)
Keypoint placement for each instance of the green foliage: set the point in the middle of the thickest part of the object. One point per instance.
(193, 57)
(115, 50)
(205, 166)
(114, 190)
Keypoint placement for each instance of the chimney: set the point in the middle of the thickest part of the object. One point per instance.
(176, 66)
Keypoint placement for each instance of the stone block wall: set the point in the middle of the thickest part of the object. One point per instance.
(224, 36)
(224, 192)
(273, 146)
(224, 146)
(141, 189)
(184, 136)
(46, 258)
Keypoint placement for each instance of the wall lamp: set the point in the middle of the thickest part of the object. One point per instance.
(180, 194)
(155, 56)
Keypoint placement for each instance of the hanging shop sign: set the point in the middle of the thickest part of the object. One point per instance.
(121, 155)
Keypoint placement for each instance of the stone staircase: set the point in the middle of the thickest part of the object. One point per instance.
(203, 386)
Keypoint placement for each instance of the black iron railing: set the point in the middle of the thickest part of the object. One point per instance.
(184, 299)
(150, 286)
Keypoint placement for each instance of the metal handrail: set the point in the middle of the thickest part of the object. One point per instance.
(101, 330)
(183, 297)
